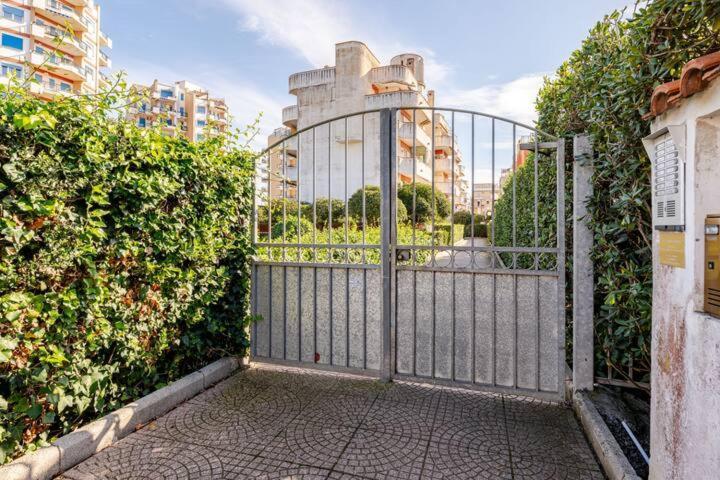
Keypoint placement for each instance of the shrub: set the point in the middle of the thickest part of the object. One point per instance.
(291, 228)
(122, 261)
(604, 88)
(462, 217)
(372, 206)
(322, 207)
(480, 230)
(424, 203)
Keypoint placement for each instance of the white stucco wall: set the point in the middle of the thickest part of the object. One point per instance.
(685, 410)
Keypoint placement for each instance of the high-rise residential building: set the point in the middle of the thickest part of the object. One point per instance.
(55, 46)
(180, 107)
(483, 194)
(356, 83)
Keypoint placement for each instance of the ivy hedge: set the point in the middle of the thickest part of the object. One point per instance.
(604, 89)
(122, 261)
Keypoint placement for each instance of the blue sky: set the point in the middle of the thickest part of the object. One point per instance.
(484, 55)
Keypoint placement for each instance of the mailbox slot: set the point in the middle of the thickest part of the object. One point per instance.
(712, 265)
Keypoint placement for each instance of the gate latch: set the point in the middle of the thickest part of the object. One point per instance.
(402, 254)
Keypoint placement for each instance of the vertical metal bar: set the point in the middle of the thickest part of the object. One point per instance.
(414, 338)
(472, 204)
(297, 194)
(514, 197)
(347, 257)
(386, 180)
(330, 220)
(432, 202)
(560, 228)
(536, 200)
(393, 237)
(254, 201)
(269, 205)
(364, 336)
(284, 200)
(314, 204)
(432, 348)
(315, 349)
(452, 186)
(347, 252)
(362, 163)
(452, 243)
(492, 203)
(472, 243)
(414, 180)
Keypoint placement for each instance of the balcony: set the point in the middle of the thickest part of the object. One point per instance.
(423, 171)
(405, 133)
(290, 116)
(61, 38)
(157, 96)
(61, 13)
(394, 100)
(393, 75)
(105, 41)
(105, 60)
(48, 91)
(310, 78)
(62, 66)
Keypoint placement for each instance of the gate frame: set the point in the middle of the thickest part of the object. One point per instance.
(388, 248)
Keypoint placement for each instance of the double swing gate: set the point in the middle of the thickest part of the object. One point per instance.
(364, 265)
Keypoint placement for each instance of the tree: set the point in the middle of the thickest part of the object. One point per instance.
(372, 206)
(424, 203)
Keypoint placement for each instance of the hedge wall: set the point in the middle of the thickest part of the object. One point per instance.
(122, 261)
(604, 89)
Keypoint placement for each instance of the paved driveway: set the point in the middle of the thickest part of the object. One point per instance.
(280, 423)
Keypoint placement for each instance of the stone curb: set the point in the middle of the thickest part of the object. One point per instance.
(71, 449)
(611, 456)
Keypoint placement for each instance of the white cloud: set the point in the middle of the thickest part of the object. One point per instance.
(310, 28)
(514, 100)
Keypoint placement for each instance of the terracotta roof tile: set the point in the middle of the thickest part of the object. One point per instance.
(696, 76)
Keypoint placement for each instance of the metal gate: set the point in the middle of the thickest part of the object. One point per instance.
(365, 265)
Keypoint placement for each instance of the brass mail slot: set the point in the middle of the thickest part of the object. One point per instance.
(712, 265)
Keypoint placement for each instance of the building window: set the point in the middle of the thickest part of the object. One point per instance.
(11, 41)
(201, 123)
(8, 69)
(201, 109)
(169, 122)
(182, 110)
(141, 122)
(65, 87)
(200, 137)
(38, 78)
(182, 97)
(166, 93)
(89, 73)
(14, 14)
(51, 83)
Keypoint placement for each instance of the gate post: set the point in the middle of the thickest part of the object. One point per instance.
(583, 288)
(387, 227)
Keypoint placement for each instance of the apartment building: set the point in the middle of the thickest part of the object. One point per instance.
(356, 83)
(55, 46)
(180, 108)
(483, 197)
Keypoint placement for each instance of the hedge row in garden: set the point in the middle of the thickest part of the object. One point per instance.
(122, 261)
(604, 88)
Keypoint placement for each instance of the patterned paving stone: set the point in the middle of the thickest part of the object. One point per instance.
(284, 423)
(142, 457)
(372, 454)
(400, 419)
(309, 443)
(261, 468)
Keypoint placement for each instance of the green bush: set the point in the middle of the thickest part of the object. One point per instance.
(481, 230)
(372, 206)
(424, 203)
(604, 88)
(443, 233)
(322, 211)
(122, 261)
(291, 228)
(462, 217)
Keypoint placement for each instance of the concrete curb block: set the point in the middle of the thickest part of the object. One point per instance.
(612, 458)
(73, 448)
